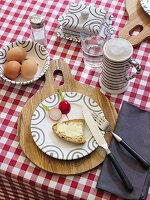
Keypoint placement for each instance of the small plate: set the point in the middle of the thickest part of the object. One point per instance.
(145, 5)
(35, 51)
(49, 142)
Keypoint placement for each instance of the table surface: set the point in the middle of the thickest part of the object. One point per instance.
(14, 25)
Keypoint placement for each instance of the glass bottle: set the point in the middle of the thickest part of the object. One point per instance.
(38, 29)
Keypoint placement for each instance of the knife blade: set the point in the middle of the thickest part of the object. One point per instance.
(102, 143)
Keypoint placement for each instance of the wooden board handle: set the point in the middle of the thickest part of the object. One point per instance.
(137, 39)
(58, 67)
(137, 18)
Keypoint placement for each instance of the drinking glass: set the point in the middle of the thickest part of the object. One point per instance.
(92, 46)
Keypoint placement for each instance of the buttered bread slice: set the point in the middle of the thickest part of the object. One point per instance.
(71, 130)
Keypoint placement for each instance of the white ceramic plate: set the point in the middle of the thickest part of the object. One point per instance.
(51, 144)
(145, 5)
(35, 51)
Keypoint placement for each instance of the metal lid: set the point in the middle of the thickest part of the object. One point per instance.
(37, 21)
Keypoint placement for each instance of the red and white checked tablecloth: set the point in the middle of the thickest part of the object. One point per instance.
(19, 178)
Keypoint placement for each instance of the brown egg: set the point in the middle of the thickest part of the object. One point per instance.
(17, 54)
(12, 69)
(28, 69)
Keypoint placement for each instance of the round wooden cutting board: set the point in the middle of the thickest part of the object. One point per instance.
(27, 144)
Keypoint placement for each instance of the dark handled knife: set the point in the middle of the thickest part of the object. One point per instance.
(102, 143)
(138, 157)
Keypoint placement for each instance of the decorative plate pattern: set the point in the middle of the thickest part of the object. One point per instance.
(35, 51)
(145, 5)
(107, 29)
(51, 144)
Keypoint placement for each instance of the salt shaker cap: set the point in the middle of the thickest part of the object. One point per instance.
(37, 21)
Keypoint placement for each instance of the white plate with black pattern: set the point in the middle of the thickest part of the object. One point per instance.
(145, 5)
(34, 51)
(48, 141)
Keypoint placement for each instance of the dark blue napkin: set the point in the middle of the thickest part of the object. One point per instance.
(133, 126)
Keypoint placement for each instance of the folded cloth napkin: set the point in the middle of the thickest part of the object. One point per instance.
(133, 126)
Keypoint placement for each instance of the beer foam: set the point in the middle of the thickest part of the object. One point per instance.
(118, 49)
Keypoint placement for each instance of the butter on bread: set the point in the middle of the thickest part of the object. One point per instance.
(71, 130)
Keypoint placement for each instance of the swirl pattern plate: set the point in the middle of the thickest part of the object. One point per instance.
(51, 144)
(145, 5)
(35, 51)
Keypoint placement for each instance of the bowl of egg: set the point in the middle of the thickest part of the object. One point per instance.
(23, 62)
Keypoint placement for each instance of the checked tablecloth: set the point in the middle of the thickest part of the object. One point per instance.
(19, 178)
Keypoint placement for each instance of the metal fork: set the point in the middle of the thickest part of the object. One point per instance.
(104, 125)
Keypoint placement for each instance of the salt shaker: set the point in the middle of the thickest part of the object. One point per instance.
(38, 29)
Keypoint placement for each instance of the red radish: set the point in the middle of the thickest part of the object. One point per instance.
(55, 114)
(64, 106)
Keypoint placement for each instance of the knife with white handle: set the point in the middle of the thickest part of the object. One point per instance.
(102, 143)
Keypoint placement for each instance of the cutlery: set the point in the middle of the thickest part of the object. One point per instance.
(96, 132)
(104, 125)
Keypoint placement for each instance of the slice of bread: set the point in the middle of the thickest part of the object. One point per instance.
(71, 130)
